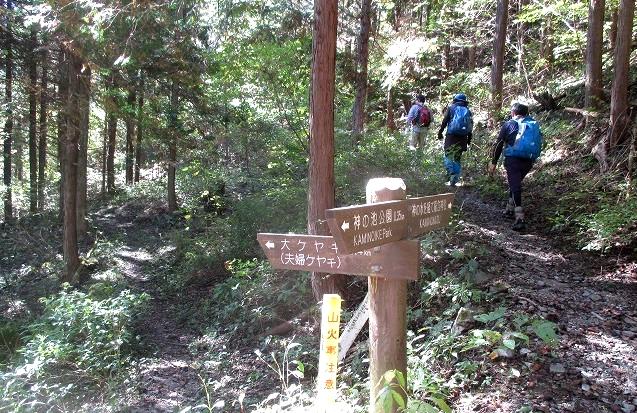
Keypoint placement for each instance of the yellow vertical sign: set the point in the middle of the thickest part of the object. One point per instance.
(328, 359)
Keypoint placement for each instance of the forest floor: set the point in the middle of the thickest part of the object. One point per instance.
(592, 299)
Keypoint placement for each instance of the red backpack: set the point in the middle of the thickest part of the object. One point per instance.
(423, 117)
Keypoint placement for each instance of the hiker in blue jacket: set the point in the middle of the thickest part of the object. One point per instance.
(459, 123)
(521, 140)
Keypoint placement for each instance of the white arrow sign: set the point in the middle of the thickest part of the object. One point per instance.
(345, 226)
(269, 244)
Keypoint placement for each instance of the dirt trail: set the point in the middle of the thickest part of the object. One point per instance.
(165, 380)
(592, 300)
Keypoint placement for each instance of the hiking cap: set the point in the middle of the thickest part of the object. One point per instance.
(460, 97)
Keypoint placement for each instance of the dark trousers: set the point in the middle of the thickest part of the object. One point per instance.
(517, 169)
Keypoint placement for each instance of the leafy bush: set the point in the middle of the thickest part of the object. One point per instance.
(90, 331)
(613, 225)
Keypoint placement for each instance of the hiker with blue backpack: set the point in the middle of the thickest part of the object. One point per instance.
(419, 118)
(521, 140)
(458, 120)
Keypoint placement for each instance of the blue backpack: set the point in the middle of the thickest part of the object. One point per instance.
(461, 123)
(528, 141)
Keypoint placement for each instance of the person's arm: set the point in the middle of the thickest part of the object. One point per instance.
(413, 112)
(498, 145)
(445, 122)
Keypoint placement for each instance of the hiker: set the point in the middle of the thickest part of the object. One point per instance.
(521, 140)
(419, 118)
(459, 123)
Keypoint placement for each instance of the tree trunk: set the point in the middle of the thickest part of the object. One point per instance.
(521, 31)
(173, 118)
(130, 132)
(472, 55)
(497, 65)
(18, 144)
(71, 153)
(8, 124)
(62, 120)
(612, 36)
(619, 115)
(112, 135)
(140, 119)
(104, 152)
(445, 59)
(389, 123)
(321, 169)
(594, 93)
(33, 120)
(84, 104)
(361, 69)
(42, 144)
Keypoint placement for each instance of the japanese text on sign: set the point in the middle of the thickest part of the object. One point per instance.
(328, 358)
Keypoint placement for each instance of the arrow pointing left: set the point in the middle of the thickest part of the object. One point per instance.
(345, 226)
(269, 244)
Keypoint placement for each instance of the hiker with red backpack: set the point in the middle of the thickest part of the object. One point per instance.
(459, 123)
(521, 140)
(419, 117)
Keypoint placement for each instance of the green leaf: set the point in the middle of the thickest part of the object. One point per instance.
(398, 398)
(509, 343)
(492, 316)
(545, 330)
(442, 404)
(401, 379)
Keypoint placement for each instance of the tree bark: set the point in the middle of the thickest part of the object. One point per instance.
(173, 117)
(62, 120)
(71, 143)
(84, 104)
(361, 69)
(42, 144)
(112, 136)
(321, 169)
(130, 132)
(497, 65)
(594, 93)
(390, 123)
(140, 119)
(33, 120)
(8, 124)
(104, 152)
(612, 36)
(619, 116)
(445, 59)
(521, 31)
(472, 55)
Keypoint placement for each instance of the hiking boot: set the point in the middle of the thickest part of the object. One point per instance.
(509, 210)
(519, 224)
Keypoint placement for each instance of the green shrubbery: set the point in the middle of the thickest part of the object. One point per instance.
(80, 338)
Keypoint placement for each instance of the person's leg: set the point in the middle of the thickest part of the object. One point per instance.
(515, 169)
(457, 156)
(413, 139)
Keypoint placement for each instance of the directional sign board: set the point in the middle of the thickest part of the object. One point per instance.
(399, 260)
(361, 227)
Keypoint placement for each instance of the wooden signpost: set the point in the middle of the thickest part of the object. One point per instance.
(360, 227)
(370, 240)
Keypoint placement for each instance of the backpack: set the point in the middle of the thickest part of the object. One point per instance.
(461, 123)
(423, 117)
(528, 141)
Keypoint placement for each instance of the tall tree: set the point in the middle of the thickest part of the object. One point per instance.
(84, 105)
(62, 120)
(521, 33)
(33, 120)
(173, 133)
(497, 65)
(112, 135)
(130, 131)
(321, 169)
(140, 117)
(71, 154)
(389, 119)
(362, 57)
(619, 115)
(594, 92)
(42, 143)
(8, 103)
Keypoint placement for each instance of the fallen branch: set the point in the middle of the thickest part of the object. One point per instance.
(583, 112)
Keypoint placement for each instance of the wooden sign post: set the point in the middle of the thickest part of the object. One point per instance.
(387, 308)
(370, 240)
